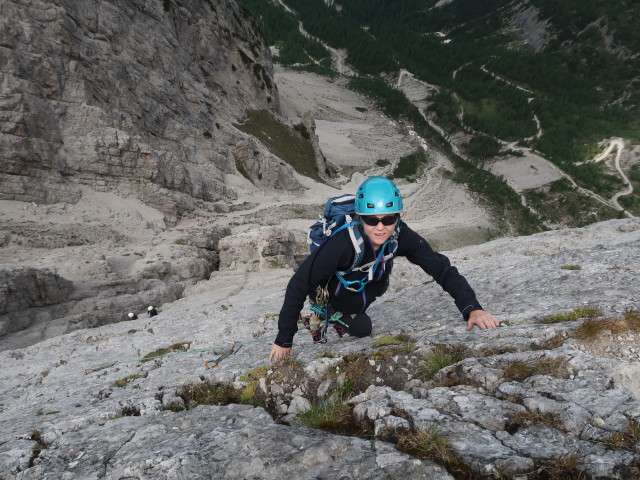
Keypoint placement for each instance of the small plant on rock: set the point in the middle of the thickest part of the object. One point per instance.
(568, 467)
(592, 328)
(555, 367)
(123, 382)
(251, 394)
(431, 444)
(209, 394)
(571, 267)
(440, 357)
(333, 414)
(529, 419)
(161, 352)
(624, 439)
(402, 344)
(575, 314)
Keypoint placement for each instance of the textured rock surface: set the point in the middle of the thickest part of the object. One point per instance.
(56, 421)
(127, 96)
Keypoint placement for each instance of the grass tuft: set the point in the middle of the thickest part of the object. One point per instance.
(592, 328)
(555, 367)
(568, 467)
(625, 439)
(529, 419)
(333, 414)
(575, 314)
(209, 394)
(440, 357)
(431, 444)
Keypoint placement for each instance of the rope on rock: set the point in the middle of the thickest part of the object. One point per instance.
(228, 351)
(227, 347)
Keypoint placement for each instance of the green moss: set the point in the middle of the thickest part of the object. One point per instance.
(390, 340)
(571, 267)
(575, 314)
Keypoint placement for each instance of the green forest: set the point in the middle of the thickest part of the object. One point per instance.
(582, 82)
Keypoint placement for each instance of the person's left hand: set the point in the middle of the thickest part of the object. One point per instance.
(482, 319)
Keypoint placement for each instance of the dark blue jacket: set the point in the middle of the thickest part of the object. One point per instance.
(337, 254)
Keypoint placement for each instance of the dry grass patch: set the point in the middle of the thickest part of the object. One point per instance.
(569, 467)
(529, 419)
(209, 394)
(550, 344)
(592, 327)
(625, 439)
(555, 367)
(431, 444)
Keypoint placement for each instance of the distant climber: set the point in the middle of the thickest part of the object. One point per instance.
(346, 292)
(132, 316)
(151, 311)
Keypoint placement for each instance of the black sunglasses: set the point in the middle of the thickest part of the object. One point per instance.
(373, 221)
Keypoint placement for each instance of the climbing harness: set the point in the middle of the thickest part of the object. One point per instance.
(226, 354)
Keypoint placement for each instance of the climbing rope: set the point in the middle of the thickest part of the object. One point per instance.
(228, 350)
(173, 354)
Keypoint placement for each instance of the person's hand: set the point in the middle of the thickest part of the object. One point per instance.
(278, 352)
(482, 319)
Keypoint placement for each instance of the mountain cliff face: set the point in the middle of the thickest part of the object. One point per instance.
(529, 400)
(136, 97)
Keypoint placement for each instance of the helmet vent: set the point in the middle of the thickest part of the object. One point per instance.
(390, 204)
(370, 205)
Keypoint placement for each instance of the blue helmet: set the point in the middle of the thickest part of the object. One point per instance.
(377, 196)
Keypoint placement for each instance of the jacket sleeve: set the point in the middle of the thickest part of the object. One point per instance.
(316, 270)
(418, 251)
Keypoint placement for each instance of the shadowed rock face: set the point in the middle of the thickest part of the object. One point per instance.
(127, 96)
(524, 398)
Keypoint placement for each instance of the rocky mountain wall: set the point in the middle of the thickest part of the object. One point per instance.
(530, 400)
(128, 96)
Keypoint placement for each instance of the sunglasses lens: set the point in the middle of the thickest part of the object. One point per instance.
(372, 220)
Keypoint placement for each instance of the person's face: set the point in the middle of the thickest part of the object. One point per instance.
(379, 232)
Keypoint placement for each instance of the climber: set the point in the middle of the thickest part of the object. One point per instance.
(350, 291)
(151, 311)
(132, 316)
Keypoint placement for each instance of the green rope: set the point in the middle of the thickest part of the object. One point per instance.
(173, 354)
(334, 318)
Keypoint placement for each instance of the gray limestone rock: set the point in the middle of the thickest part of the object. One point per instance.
(524, 397)
(131, 97)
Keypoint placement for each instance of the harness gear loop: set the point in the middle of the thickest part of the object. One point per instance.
(226, 354)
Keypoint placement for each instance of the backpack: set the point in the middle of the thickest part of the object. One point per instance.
(338, 215)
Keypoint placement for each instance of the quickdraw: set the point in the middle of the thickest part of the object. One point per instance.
(226, 354)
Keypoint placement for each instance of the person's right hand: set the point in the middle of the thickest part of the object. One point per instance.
(278, 352)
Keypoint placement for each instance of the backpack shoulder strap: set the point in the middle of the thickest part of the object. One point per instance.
(356, 240)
